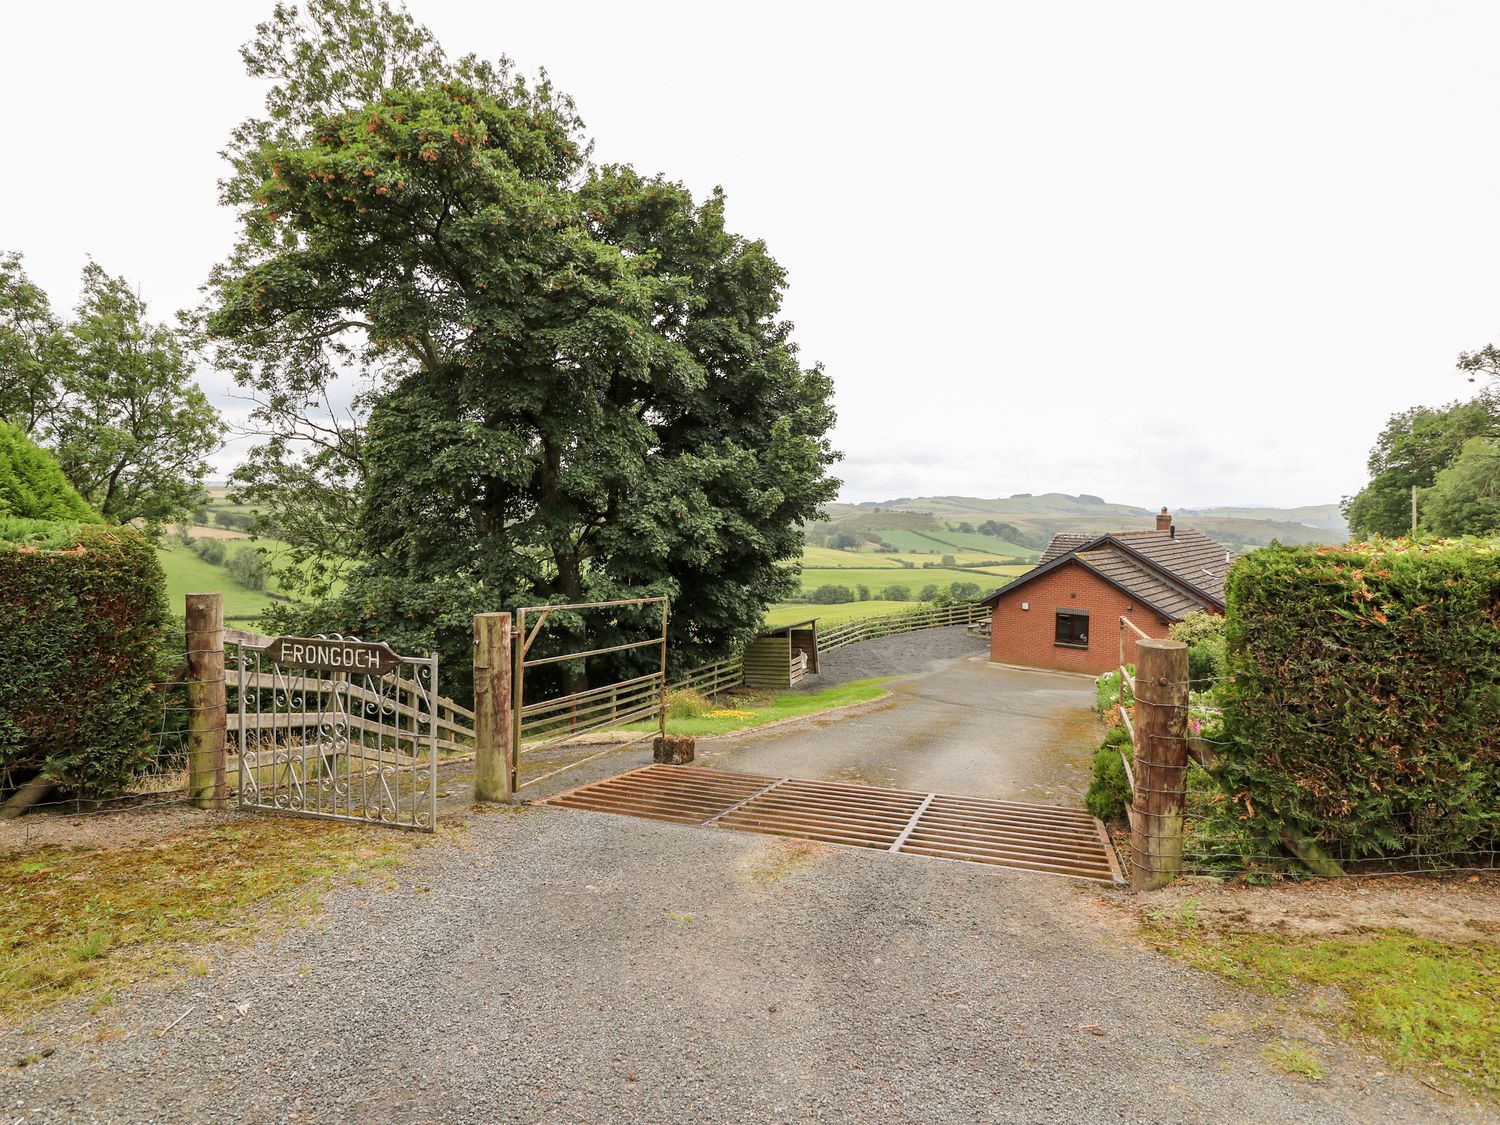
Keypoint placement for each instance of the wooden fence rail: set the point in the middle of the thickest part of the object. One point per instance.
(887, 625)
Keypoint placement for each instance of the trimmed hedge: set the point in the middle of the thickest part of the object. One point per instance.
(1363, 703)
(82, 621)
(32, 487)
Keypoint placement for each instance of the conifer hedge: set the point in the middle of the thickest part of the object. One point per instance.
(82, 622)
(1363, 704)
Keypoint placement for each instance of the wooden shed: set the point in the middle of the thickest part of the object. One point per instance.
(781, 657)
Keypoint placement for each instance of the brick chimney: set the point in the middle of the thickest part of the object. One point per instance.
(1163, 520)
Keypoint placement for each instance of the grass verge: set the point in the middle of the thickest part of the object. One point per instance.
(700, 718)
(1418, 999)
(80, 921)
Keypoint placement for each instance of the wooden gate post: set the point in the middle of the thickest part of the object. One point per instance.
(207, 722)
(1161, 696)
(492, 707)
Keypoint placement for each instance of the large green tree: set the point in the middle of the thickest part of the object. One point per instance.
(30, 335)
(1465, 497)
(1413, 448)
(134, 429)
(579, 382)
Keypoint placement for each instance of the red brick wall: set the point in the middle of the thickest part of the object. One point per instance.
(1028, 637)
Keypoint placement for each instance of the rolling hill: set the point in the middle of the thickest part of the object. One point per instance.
(1028, 522)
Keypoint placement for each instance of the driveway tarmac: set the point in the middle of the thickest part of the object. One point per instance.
(557, 965)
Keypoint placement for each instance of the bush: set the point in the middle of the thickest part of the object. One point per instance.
(1109, 792)
(896, 594)
(32, 487)
(929, 592)
(687, 704)
(210, 550)
(1362, 706)
(247, 566)
(1203, 633)
(830, 595)
(82, 620)
(1107, 691)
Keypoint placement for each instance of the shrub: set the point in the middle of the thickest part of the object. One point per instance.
(247, 566)
(210, 550)
(1203, 633)
(862, 592)
(82, 619)
(687, 704)
(830, 595)
(1107, 689)
(896, 593)
(1109, 792)
(32, 487)
(929, 592)
(1362, 706)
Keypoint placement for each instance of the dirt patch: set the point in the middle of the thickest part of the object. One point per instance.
(1451, 908)
(123, 829)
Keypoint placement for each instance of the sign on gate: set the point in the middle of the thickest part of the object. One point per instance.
(338, 727)
(322, 653)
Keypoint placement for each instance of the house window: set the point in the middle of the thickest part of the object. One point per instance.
(1073, 628)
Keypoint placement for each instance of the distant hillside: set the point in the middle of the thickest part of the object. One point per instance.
(1024, 524)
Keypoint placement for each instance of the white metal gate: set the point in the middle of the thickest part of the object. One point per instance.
(339, 728)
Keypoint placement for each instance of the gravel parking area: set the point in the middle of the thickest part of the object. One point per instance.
(546, 964)
(905, 654)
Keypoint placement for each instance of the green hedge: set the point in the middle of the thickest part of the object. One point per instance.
(31, 484)
(1363, 702)
(82, 621)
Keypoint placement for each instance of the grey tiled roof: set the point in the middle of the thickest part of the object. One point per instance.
(1174, 574)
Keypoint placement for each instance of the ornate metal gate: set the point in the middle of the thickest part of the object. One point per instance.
(339, 728)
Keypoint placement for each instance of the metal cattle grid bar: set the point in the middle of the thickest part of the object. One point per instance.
(1022, 837)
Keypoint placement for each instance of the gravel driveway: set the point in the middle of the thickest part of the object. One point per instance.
(558, 965)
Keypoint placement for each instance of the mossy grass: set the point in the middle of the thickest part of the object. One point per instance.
(1420, 1000)
(76, 922)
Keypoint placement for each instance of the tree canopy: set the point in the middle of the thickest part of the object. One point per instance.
(110, 393)
(577, 383)
(1413, 448)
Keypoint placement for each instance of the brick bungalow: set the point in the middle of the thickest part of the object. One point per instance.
(1065, 614)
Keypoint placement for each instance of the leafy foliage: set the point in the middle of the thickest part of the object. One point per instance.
(1413, 448)
(134, 427)
(1465, 496)
(1203, 633)
(1109, 791)
(581, 385)
(29, 337)
(1362, 708)
(82, 622)
(32, 487)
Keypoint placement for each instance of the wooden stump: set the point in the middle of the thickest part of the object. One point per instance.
(672, 749)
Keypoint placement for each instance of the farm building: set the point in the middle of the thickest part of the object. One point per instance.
(781, 657)
(1065, 614)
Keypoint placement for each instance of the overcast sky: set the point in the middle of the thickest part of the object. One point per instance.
(1179, 254)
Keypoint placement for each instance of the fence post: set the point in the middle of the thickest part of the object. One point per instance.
(206, 695)
(1161, 697)
(492, 707)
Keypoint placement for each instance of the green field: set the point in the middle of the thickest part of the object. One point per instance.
(188, 574)
(825, 557)
(913, 579)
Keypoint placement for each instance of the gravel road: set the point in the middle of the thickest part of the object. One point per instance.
(558, 965)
